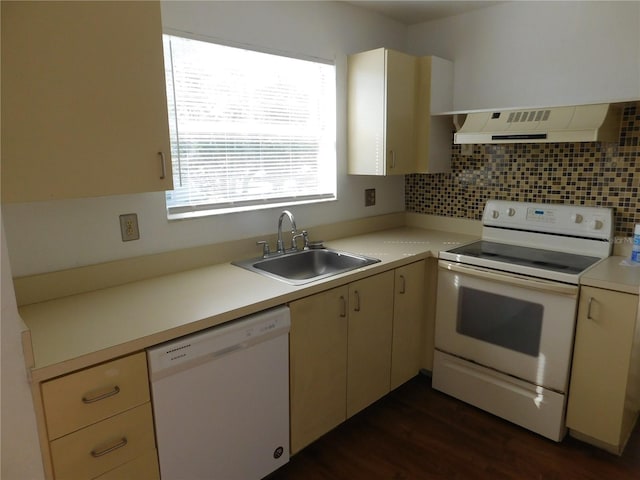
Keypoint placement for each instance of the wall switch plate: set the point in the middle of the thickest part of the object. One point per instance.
(129, 227)
(369, 197)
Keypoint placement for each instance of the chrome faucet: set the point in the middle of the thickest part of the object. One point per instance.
(279, 245)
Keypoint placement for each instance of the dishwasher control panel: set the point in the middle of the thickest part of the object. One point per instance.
(220, 340)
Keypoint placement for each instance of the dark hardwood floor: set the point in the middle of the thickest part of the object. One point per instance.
(416, 432)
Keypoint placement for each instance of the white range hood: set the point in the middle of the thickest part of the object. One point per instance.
(582, 123)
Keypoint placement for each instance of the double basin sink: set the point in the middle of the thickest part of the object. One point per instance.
(304, 266)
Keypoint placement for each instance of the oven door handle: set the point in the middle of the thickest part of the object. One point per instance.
(511, 279)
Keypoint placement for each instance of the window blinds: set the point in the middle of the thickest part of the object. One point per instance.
(247, 128)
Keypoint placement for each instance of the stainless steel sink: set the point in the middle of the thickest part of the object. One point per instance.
(297, 268)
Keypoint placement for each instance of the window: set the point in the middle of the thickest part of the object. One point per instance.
(248, 129)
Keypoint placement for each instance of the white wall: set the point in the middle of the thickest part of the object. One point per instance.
(20, 449)
(522, 54)
(49, 236)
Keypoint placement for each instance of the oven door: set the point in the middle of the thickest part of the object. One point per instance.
(518, 325)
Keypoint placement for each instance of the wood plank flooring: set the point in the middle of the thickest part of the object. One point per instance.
(416, 432)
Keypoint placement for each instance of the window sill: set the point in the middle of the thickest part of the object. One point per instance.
(244, 208)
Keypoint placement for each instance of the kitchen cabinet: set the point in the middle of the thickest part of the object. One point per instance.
(604, 393)
(408, 322)
(430, 295)
(340, 355)
(381, 110)
(434, 131)
(84, 108)
(317, 365)
(99, 421)
(369, 340)
(351, 345)
(390, 129)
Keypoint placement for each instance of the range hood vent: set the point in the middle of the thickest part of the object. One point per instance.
(583, 123)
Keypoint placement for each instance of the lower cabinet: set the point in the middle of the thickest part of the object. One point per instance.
(317, 365)
(99, 422)
(408, 322)
(370, 322)
(604, 393)
(350, 345)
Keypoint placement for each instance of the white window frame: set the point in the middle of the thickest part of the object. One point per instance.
(320, 158)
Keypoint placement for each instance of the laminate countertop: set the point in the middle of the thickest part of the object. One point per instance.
(77, 331)
(613, 273)
(73, 332)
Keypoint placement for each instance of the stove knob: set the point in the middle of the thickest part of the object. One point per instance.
(576, 218)
(511, 211)
(495, 213)
(595, 224)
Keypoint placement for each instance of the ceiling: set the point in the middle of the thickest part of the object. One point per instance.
(419, 11)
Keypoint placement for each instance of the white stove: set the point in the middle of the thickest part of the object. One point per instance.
(556, 242)
(506, 309)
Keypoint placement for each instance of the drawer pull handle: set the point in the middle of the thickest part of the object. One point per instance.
(163, 166)
(357, 297)
(119, 444)
(100, 396)
(589, 317)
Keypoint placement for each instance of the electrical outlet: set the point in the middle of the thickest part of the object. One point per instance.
(129, 227)
(369, 197)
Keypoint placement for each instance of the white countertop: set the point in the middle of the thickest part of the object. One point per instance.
(612, 274)
(77, 331)
(81, 330)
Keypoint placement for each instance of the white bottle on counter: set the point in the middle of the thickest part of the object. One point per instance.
(635, 249)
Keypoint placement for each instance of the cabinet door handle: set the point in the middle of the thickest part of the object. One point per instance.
(343, 307)
(163, 166)
(110, 448)
(356, 295)
(589, 317)
(95, 397)
(393, 158)
(403, 285)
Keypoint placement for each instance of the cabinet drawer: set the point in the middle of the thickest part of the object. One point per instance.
(88, 396)
(104, 446)
(141, 468)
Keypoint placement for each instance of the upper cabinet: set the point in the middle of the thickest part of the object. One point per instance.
(434, 133)
(391, 98)
(84, 109)
(381, 110)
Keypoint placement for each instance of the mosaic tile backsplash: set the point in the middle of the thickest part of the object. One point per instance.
(590, 174)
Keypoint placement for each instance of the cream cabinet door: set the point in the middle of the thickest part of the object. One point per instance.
(381, 108)
(105, 445)
(408, 322)
(434, 133)
(318, 365)
(144, 467)
(601, 361)
(84, 109)
(82, 398)
(401, 72)
(370, 333)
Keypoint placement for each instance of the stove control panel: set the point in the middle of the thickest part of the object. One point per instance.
(557, 219)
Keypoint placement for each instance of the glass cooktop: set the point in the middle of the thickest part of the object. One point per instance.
(526, 256)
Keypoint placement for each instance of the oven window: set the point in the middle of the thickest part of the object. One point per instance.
(508, 322)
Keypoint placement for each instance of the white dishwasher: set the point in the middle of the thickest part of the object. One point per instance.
(221, 400)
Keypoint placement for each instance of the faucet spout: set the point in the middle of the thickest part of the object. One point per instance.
(285, 213)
